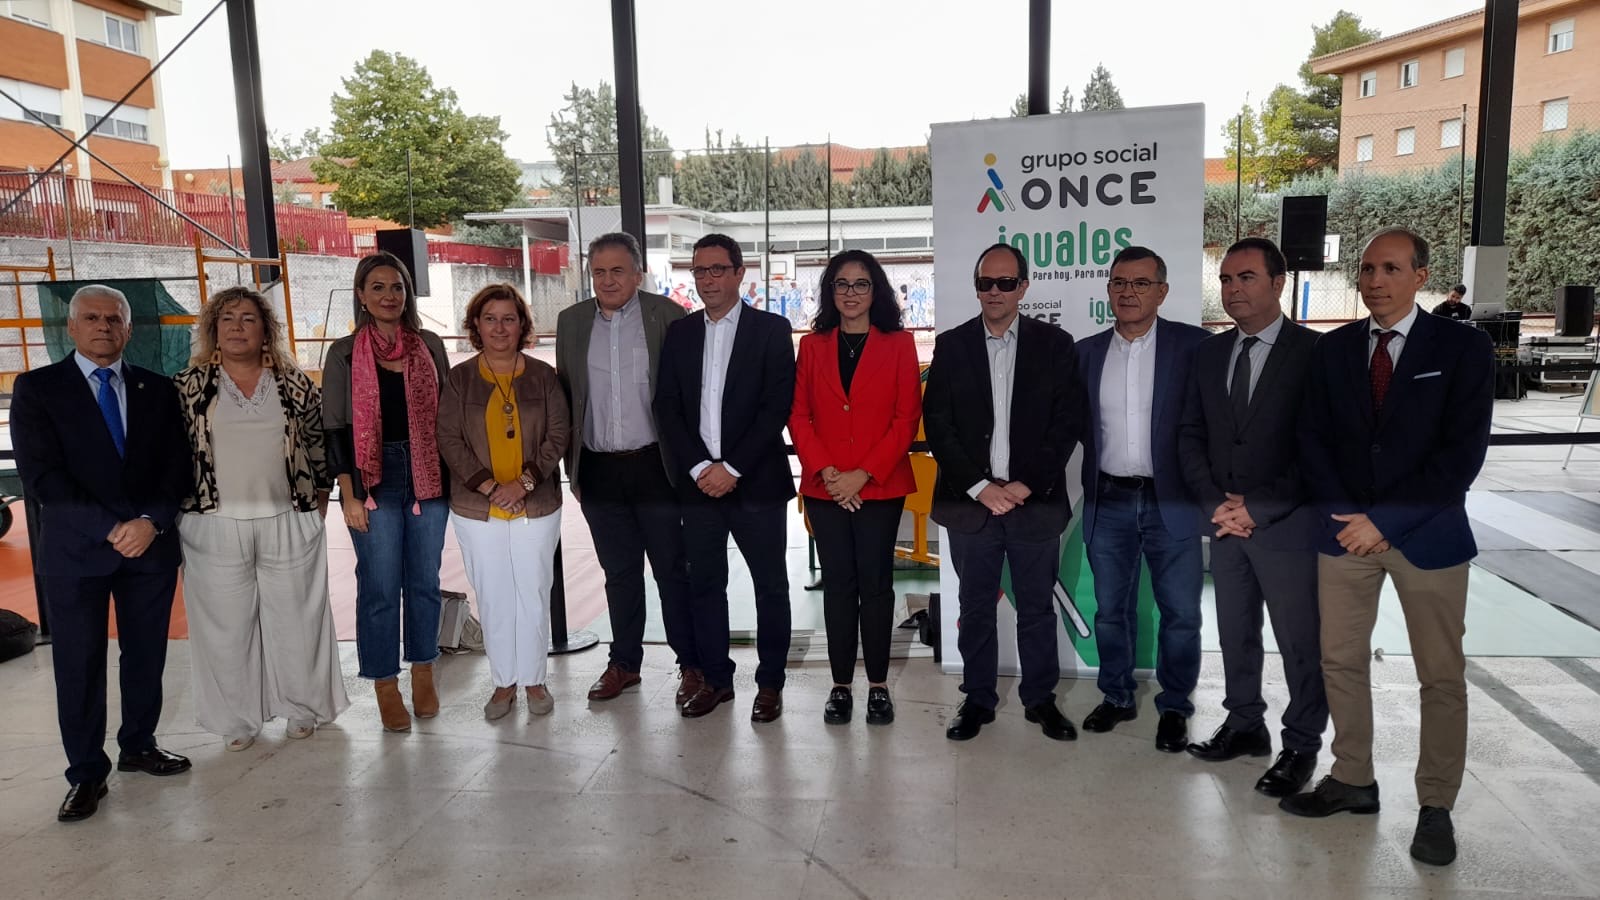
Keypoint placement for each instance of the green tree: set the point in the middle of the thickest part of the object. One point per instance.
(391, 106)
(1243, 136)
(889, 181)
(801, 181)
(582, 137)
(1100, 92)
(722, 177)
(1065, 106)
(1316, 116)
(1019, 106)
(282, 147)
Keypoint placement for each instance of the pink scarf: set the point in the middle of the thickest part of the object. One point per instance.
(422, 410)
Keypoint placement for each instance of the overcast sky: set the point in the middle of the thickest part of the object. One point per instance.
(867, 72)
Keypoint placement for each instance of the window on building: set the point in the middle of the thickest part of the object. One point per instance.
(1450, 133)
(1409, 72)
(1561, 35)
(122, 34)
(1405, 141)
(130, 123)
(301, 199)
(1369, 84)
(38, 102)
(1364, 148)
(1555, 114)
(1455, 62)
(34, 12)
(327, 200)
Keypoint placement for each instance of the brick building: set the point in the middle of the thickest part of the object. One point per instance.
(1410, 100)
(69, 61)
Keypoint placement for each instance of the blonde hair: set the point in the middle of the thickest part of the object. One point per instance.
(272, 330)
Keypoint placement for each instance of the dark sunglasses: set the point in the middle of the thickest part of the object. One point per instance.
(1005, 284)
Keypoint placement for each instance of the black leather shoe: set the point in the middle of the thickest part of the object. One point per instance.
(83, 800)
(969, 720)
(880, 709)
(1435, 840)
(705, 701)
(1056, 726)
(1172, 732)
(154, 761)
(1226, 744)
(1332, 796)
(1105, 717)
(1288, 775)
(837, 710)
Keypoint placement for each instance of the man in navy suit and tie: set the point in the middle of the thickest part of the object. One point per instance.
(1003, 410)
(1135, 502)
(1395, 429)
(1243, 466)
(722, 402)
(101, 448)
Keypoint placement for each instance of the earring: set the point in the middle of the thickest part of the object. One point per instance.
(216, 357)
(266, 356)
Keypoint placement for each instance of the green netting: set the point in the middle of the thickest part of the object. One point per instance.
(164, 348)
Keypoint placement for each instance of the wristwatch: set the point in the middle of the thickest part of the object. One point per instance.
(527, 482)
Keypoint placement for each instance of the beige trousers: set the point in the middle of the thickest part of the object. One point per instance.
(1435, 604)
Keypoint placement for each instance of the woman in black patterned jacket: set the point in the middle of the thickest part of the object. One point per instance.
(255, 571)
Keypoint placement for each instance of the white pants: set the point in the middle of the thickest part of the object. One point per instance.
(511, 564)
(261, 639)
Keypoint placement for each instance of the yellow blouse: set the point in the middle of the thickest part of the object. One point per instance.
(505, 433)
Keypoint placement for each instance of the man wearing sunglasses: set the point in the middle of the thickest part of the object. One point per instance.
(727, 382)
(1003, 410)
(1136, 505)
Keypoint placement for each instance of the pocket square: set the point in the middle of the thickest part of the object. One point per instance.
(1426, 375)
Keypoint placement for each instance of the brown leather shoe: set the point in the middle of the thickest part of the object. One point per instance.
(391, 707)
(424, 696)
(768, 706)
(705, 700)
(612, 682)
(690, 682)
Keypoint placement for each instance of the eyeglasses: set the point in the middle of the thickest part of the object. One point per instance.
(852, 287)
(1005, 284)
(715, 270)
(1140, 286)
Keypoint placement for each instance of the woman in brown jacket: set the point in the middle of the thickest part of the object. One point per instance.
(502, 430)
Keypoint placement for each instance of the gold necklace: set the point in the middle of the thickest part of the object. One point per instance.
(508, 404)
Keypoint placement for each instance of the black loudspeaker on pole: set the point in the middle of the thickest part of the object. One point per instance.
(1302, 232)
(411, 245)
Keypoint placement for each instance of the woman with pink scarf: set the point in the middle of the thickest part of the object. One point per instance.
(380, 410)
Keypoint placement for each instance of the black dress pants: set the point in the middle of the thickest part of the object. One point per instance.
(759, 531)
(857, 554)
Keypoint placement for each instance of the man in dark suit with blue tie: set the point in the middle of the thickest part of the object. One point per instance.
(101, 448)
(722, 402)
(1395, 429)
(1135, 502)
(1243, 467)
(1003, 410)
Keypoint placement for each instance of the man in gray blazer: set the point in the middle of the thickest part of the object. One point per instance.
(607, 352)
(1240, 462)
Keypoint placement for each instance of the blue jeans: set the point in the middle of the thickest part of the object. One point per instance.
(1128, 526)
(398, 557)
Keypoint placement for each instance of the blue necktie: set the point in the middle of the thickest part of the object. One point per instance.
(110, 411)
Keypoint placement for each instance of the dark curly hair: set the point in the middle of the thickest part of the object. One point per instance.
(884, 313)
(486, 296)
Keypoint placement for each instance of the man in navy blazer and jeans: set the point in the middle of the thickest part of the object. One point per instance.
(101, 447)
(1395, 429)
(1136, 504)
(722, 402)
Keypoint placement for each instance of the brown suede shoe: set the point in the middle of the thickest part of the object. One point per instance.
(391, 707)
(612, 682)
(424, 697)
(690, 682)
(705, 700)
(768, 706)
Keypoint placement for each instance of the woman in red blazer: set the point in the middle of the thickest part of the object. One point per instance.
(857, 401)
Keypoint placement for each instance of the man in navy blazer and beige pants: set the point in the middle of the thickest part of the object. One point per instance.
(1395, 430)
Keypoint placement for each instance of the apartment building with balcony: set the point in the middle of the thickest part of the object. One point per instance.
(68, 62)
(1410, 100)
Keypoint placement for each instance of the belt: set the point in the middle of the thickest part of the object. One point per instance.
(647, 448)
(1131, 482)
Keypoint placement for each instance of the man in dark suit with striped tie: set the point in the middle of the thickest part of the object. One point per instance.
(1395, 429)
(101, 448)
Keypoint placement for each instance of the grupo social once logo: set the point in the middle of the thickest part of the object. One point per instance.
(995, 195)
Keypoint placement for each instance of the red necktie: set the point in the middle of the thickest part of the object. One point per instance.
(1381, 369)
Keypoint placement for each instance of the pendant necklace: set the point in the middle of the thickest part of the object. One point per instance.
(504, 390)
(859, 344)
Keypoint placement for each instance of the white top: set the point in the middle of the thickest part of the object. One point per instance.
(1127, 393)
(713, 381)
(1002, 353)
(119, 383)
(1396, 343)
(247, 444)
(1259, 351)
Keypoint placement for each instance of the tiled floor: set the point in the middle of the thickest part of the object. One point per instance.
(630, 800)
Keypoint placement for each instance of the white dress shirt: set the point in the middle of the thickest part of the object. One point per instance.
(1002, 352)
(1397, 343)
(1259, 352)
(1127, 394)
(713, 381)
(119, 383)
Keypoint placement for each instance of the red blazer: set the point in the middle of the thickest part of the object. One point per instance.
(872, 428)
